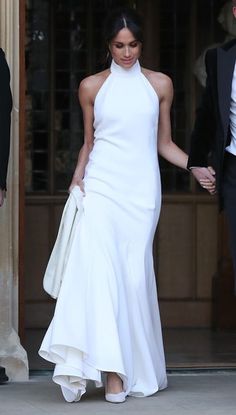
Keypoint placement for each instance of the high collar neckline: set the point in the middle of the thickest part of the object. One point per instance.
(119, 70)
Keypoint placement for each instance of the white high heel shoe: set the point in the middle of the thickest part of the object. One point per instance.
(114, 397)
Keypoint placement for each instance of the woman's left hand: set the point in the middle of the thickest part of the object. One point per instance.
(206, 178)
(208, 185)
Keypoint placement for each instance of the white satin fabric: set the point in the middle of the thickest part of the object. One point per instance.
(107, 317)
(71, 216)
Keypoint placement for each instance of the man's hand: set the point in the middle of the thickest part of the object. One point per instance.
(205, 177)
(2, 196)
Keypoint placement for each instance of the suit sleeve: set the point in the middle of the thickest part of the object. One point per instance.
(205, 123)
(5, 118)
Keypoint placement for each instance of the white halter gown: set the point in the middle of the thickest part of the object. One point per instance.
(106, 316)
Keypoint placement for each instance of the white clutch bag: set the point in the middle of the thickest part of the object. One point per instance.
(71, 215)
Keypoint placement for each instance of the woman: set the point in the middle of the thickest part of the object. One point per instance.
(106, 318)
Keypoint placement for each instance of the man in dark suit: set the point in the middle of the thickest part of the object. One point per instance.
(5, 122)
(215, 132)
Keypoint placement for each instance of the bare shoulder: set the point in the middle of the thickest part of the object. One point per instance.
(90, 85)
(161, 83)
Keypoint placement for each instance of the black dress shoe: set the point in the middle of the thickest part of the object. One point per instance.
(3, 376)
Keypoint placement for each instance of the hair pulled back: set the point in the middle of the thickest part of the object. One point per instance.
(119, 19)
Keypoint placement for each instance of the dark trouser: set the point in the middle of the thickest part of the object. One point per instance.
(229, 194)
(3, 376)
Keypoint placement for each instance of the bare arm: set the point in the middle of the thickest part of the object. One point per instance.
(166, 147)
(86, 99)
(88, 90)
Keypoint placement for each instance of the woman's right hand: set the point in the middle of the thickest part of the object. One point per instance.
(76, 181)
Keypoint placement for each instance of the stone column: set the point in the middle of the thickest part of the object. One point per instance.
(12, 355)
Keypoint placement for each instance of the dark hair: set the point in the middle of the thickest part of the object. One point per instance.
(122, 18)
(119, 19)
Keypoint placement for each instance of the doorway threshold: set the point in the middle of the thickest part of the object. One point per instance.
(204, 349)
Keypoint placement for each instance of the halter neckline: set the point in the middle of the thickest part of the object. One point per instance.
(119, 70)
